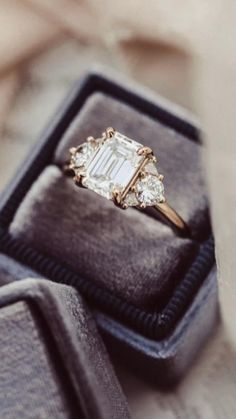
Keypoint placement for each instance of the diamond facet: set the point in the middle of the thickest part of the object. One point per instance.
(112, 165)
(131, 199)
(151, 168)
(150, 190)
(82, 155)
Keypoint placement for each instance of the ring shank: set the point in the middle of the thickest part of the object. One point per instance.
(173, 218)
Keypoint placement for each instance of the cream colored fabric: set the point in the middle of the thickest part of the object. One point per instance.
(186, 52)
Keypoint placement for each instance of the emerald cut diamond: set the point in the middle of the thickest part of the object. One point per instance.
(118, 168)
(113, 165)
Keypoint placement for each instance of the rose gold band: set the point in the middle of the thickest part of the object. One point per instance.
(172, 218)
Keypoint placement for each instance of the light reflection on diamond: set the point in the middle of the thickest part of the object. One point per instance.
(151, 168)
(83, 154)
(131, 199)
(110, 165)
(150, 190)
(113, 165)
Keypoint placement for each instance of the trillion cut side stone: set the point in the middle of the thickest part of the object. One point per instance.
(112, 165)
(82, 155)
(131, 199)
(150, 190)
(151, 168)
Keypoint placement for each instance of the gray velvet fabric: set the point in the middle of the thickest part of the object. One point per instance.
(128, 252)
(29, 387)
(53, 362)
(11, 270)
(179, 159)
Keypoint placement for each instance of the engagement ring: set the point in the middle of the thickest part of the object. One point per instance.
(124, 171)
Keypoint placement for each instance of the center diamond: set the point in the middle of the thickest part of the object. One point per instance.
(112, 165)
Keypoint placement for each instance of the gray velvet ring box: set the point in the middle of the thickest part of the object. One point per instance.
(53, 361)
(154, 294)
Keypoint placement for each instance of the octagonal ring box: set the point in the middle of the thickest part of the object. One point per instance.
(53, 361)
(154, 294)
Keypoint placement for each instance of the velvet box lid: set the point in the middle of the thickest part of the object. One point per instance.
(53, 361)
(148, 300)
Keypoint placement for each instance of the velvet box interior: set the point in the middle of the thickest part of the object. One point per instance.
(154, 293)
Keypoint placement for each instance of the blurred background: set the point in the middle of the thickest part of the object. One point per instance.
(45, 47)
(181, 50)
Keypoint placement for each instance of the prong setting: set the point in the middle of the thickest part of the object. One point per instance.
(116, 195)
(78, 180)
(143, 205)
(91, 140)
(152, 158)
(133, 188)
(109, 132)
(72, 150)
(145, 151)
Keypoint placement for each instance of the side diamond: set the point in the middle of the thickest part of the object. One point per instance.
(151, 168)
(150, 190)
(82, 155)
(131, 199)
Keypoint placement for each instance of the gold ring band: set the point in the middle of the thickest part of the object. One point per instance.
(124, 171)
(172, 217)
